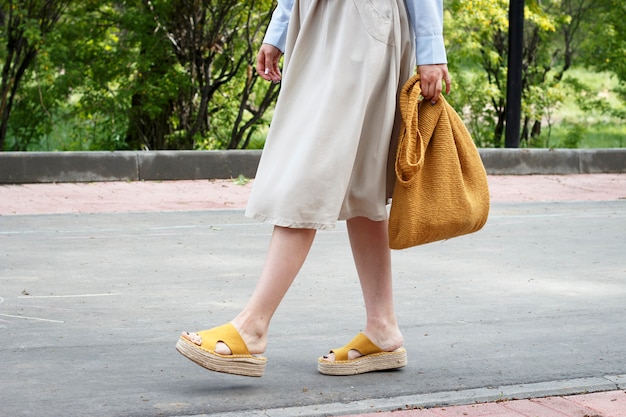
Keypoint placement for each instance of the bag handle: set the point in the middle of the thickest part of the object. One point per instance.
(411, 147)
(412, 142)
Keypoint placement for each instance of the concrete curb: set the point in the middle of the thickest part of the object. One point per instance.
(554, 161)
(441, 399)
(45, 167)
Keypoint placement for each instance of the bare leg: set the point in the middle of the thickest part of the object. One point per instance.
(287, 252)
(370, 249)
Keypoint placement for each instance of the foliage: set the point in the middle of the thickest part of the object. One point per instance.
(606, 49)
(241, 180)
(25, 27)
(554, 38)
(179, 74)
(136, 74)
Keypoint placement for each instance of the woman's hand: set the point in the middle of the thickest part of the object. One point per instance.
(432, 78)
(267, 62)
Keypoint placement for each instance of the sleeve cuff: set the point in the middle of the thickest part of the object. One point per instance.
(276, 33)
(430, 50)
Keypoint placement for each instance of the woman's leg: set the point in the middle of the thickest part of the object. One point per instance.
(287, 252)
(372, 256)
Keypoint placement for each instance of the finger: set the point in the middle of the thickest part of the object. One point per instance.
(276, 75)
(426, 91)
(431, 91)
(268, 64)
(448, 81)
(271, 72)
(261, 67)
(437, 94)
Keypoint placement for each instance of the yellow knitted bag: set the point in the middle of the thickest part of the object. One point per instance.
(441, 188)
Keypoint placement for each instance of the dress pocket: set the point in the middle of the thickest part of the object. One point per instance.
(377, 18)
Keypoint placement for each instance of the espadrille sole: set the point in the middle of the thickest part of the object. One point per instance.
(369, 363)
(246, 365)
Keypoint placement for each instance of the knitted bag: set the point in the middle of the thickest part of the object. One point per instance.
(441, 188)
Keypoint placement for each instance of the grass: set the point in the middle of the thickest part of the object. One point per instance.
(594, 127)
(596, 135)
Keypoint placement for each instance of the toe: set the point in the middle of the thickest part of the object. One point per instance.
(193, 338)
(352, 354)
(196, 339)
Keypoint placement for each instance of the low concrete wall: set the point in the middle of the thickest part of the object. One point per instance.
(37, 167)
(554, 161)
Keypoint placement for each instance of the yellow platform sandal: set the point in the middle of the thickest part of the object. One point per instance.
(240, 362)
(372, 358)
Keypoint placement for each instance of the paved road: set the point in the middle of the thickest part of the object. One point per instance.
(91, 306)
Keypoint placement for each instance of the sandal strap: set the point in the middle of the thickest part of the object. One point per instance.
(227, 334)
(360, 343)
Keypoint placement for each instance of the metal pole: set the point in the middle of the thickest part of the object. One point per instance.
(514, 77)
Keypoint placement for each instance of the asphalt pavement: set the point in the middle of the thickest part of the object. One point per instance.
(94, 296)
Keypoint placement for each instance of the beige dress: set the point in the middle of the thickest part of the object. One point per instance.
(327, 154)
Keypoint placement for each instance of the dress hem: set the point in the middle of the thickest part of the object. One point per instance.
(290, 223)
(309, 225)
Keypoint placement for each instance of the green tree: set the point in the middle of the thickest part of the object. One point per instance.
(478, 33)
(605, 50)
(138, 74)
(214, 42)
(24, 27)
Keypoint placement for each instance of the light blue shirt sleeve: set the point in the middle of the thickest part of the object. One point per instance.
(427, 22)
(426, 19)
(276, 33)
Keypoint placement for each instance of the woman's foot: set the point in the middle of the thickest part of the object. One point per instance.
(255, 343)
(221, 349)
(387, 340)
(359, 356)
(196, 339)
